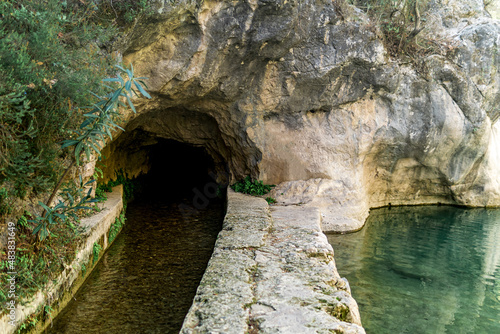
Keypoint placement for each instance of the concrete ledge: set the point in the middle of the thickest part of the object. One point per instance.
(272, 271)
(58, 294)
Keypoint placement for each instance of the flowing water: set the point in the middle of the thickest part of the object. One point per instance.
(429, 269)
(147, 279)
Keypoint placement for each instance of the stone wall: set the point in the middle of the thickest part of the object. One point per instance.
(272, 271)
(58, 294)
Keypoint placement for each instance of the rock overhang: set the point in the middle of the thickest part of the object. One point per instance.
(305, 93)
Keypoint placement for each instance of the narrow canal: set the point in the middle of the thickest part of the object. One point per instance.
(430, 269)
(147, 279)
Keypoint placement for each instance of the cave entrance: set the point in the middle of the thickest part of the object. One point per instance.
(165, 168)
(160, 256)
(172, 152)
(175, 169)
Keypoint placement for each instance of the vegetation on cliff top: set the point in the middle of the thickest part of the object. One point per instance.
(401, 23)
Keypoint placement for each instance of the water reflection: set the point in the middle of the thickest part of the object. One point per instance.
(146, 281)
(425, 270)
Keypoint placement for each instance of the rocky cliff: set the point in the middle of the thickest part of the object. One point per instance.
(305, 95)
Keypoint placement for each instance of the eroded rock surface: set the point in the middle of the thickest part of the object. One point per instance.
(303, 94)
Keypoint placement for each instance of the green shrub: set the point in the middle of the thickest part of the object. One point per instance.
(49, 62)
(84, 269)
(100, 193)
(38, 263)
(248, 186)
(117, 226)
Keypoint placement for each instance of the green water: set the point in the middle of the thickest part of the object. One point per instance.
(430, 269)
(147, 279)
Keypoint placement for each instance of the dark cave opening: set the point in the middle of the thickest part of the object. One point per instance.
(164, 167)
(160, 256)
(176, 169)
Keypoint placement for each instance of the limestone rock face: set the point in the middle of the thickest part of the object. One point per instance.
(493, 8)
(303, 94)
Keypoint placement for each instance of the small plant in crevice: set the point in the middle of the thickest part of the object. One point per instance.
(117, 226)
(101, 193)
(5, 207)
(402, 22)
(130, 185)
(100, 189)
(252, 187)
(271, 200)
(84, 269)
(30, 322)
(96, 249)
(399, 20)
(47, 309)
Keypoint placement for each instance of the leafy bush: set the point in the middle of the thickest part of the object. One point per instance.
(36, 264)
(100, 193)
(248, 186)
(49, 61)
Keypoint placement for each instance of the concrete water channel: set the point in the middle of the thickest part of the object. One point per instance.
(272, 269)
(146, 281)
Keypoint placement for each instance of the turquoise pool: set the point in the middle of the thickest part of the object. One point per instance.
(427, 269)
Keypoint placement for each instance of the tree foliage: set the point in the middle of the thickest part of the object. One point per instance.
(50, 58)
(52, 65)
(88, 139)
(54, 111)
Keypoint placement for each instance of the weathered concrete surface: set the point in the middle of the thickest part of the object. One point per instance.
(304, 94)
(59, 292)
(272, 271)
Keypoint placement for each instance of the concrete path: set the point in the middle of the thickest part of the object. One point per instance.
(272, 271)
